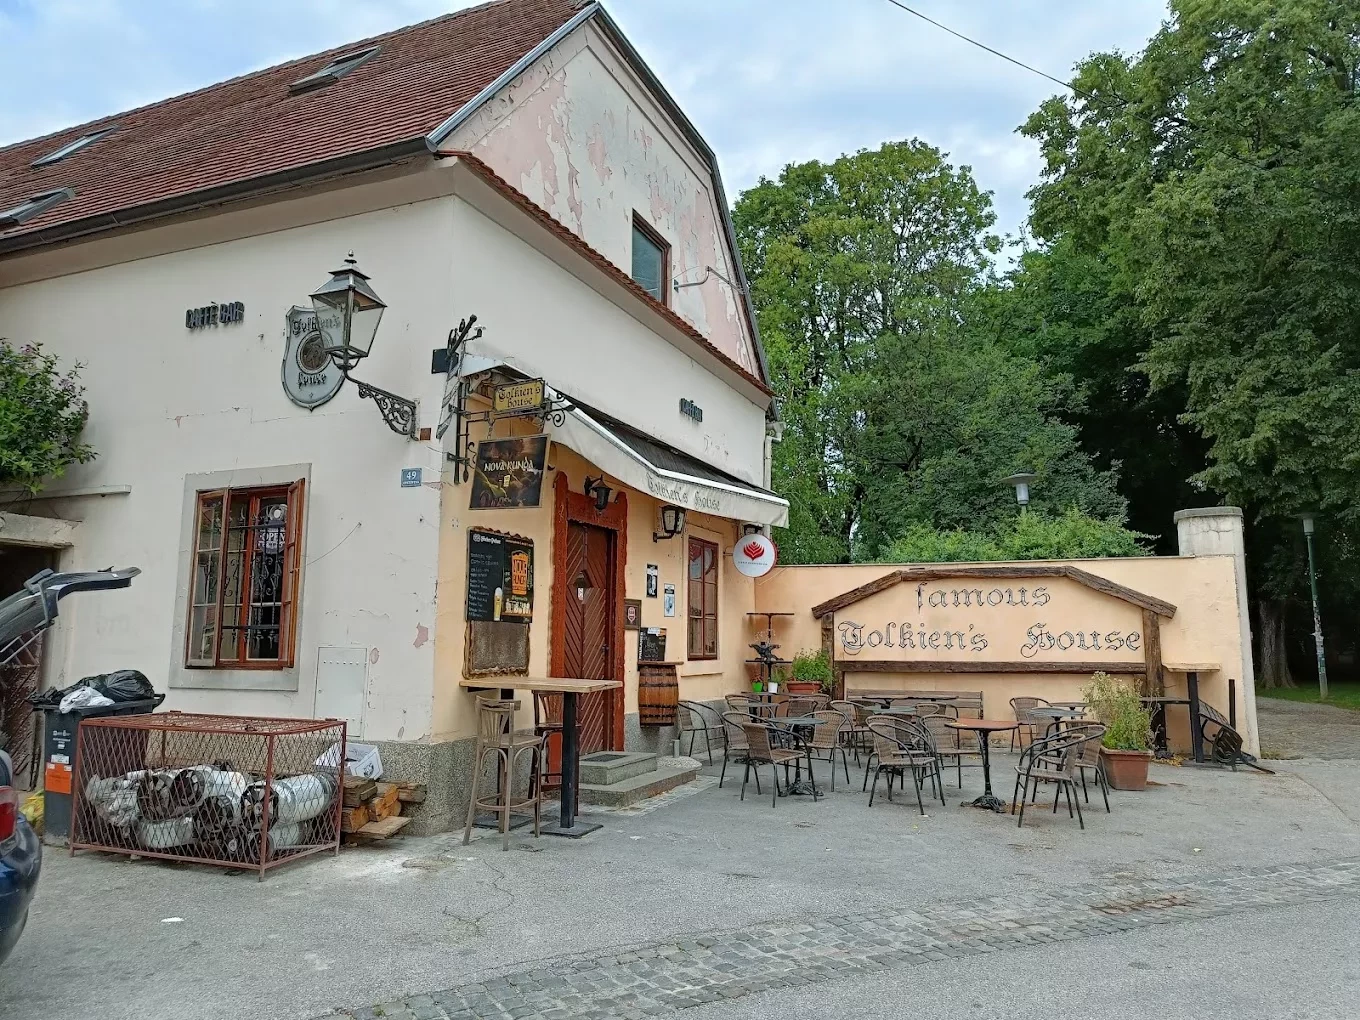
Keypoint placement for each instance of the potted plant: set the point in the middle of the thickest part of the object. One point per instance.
(1125, 750)
(810, 673)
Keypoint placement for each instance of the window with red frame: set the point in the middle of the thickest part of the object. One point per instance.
(703, 599)
(246, 569)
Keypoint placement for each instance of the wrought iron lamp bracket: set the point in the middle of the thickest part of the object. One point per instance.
(396, 410)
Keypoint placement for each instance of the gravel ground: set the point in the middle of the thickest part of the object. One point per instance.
(1296, 729)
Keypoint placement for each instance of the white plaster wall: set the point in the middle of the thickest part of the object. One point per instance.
(543, 320)
(166, 402)
(581, 137)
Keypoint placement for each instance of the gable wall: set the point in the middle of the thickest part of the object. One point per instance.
(582, 138)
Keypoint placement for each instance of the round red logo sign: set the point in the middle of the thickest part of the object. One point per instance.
(755, 555)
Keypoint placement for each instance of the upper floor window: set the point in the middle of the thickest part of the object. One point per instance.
(651, 259)
(246, 567)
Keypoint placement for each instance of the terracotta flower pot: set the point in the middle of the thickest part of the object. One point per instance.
(802, 687)
(1125, 770)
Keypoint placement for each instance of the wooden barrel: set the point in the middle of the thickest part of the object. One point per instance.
(658, 694)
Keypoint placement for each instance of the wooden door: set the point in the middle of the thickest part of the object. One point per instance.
(589, 632)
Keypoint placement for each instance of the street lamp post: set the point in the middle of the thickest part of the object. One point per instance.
(348, 311)
(1021, 481)
(1308, 525)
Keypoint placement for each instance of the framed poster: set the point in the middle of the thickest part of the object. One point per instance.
(632, 614)
(508, 473)
(652, 573)
(500, 583)
(669, 600)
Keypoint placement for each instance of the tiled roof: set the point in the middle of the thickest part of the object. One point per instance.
(569, 237)
(253, 127)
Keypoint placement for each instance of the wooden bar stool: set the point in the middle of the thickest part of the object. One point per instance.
(497, 736)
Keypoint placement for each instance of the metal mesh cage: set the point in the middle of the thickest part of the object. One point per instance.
(237, 791)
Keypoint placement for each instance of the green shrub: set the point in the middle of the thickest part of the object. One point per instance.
(813, 667)
(1128, 726)
(1028, 536)
(42, 414)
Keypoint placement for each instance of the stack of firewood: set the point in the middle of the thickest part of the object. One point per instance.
(373, 809)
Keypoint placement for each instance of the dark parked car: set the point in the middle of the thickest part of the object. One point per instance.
(20, 860)
(23, 617)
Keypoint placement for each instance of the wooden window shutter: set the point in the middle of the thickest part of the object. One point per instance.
(292, 574)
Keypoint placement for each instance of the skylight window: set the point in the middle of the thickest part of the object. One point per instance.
(34, 206)
(71, 148)
(334, 71)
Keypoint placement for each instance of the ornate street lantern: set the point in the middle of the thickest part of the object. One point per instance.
(348, 311)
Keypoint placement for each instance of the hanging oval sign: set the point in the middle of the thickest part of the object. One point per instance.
(310, 378)
(755, 555)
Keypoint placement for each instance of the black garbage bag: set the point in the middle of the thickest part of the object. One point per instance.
(51, 697)
(123, 685)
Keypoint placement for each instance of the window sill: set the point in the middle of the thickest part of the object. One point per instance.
(202, 679)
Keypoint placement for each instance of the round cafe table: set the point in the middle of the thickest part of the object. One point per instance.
(984, 728)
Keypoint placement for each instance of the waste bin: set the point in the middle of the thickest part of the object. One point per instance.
(59, 759)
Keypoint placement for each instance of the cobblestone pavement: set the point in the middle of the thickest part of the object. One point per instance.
(1297, 729)
(658, 978)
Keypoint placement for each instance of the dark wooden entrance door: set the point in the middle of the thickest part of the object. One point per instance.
(589, 632)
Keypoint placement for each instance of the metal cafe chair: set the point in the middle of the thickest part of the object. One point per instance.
(695, 718)
(902, 746)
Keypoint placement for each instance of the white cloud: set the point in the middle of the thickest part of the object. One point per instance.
(768, 81)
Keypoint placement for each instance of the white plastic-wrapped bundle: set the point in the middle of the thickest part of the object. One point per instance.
(164, 834)
(294, 799)
(114, 799)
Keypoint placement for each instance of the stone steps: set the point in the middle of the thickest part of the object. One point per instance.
(622, 778)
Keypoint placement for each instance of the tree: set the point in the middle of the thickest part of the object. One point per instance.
(1213, 182)
(1030, 536)
(895, 413)
(42, 415)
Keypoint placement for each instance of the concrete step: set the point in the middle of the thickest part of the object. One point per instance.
(605, 768)
(638, 788)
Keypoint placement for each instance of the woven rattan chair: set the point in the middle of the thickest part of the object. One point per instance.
(1028, 723)
(1053, 760)
(902, 746)
(740, 703)
(734, 743)
(695, 718)
(855, 734)
(762, 750)
(499, 743)
(1088, 760)
(829, 736)
(948, 749)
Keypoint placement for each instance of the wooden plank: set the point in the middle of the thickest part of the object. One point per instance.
(548, 685)
(353, 818)
(1152, 653)
(384, 829)
(944, 573)
(935, 666)
(385, 804)
(411, 793)
(359, 791)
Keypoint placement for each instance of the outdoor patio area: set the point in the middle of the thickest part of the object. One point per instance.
(699, 896)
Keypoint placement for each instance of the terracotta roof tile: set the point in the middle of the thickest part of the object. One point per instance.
(252, 126)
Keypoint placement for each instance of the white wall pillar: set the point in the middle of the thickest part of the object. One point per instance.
(1218, 531)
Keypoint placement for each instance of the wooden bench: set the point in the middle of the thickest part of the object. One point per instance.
(969, 703)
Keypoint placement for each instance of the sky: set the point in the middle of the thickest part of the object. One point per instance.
(768, 82)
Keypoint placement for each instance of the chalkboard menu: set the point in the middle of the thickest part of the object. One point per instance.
(500, 583)
(652, 644)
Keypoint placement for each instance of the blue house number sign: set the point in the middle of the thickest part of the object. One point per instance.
(410, 478)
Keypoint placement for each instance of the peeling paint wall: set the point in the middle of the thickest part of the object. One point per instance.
(167, 402)
(582, 138)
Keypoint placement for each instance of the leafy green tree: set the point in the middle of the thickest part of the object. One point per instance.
(42, 416)
(1212, 186)
(894, 413)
